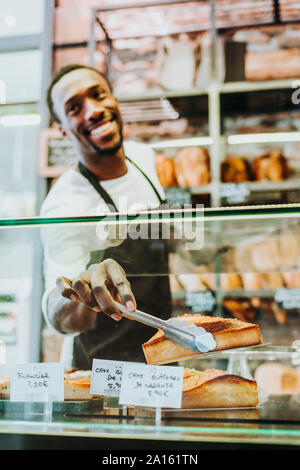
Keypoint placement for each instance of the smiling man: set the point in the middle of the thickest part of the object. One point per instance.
(84, 273)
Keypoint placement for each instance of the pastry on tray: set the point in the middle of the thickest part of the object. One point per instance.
(214, 388)
(227, 332)
(4, 387)
(76, 386)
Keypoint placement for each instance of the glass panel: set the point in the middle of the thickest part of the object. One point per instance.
(19, 18)
(245, 267)
(20, 76)
(18, 157)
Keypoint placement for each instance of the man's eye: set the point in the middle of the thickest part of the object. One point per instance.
(74, 108)
(98, 96)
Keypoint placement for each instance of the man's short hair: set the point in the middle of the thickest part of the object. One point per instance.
(59, 74)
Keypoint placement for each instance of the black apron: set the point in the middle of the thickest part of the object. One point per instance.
(123, 340)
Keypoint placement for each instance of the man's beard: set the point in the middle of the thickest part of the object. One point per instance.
(109, 151)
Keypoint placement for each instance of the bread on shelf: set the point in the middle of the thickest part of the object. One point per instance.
(165, 168)
(272, 166)
(192, 167)
(227, 332)
(235, 170)
(213, 388)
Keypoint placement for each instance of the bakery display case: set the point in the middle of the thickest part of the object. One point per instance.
(233, 271)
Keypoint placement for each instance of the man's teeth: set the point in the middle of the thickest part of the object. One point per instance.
(101, 128)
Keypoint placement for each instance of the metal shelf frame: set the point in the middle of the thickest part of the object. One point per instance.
(214, 91)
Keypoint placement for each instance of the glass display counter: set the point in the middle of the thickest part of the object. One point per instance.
(233, 263)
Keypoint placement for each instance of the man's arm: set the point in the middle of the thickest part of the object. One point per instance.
(74, 305)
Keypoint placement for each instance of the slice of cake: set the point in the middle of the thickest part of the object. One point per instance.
(227, 332)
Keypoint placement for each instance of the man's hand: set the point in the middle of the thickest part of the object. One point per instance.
(98, 287)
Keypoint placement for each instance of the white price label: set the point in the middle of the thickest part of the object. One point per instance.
(107, 377)
(37, 382)
(146, 385)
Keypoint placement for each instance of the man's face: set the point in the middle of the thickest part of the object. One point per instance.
(88, 111)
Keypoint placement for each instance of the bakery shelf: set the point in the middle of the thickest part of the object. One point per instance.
(148, 95)
(286, 185)
(247, 86)
(266, 137)
(222, 88)
(184, 142)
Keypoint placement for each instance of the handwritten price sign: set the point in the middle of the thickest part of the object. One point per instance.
(37, 382)
(145, 385)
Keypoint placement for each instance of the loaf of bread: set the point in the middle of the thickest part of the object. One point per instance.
(165, 168)
(214, 388)
(227, 332)
(192, 167)
(235, 170)
(271, 166)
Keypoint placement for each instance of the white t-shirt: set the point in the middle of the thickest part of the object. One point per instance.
(67, 247)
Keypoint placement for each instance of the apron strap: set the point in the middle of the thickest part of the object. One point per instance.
(95, 183)
(101, 191)
(148, 179)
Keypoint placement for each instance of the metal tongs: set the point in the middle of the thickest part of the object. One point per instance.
(177, 330)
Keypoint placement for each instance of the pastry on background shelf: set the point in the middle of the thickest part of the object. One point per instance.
(272, 281)
(213, 388)
(235, 170)
(265, 256)
(192, 167)
(165, 167)
(227, 332)
(269, 309)
(272, 166)
(289, 246)
(192, 282)
(292, 280)
(251, 281)
(277, 379)
(241, 309)
(230, 281)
